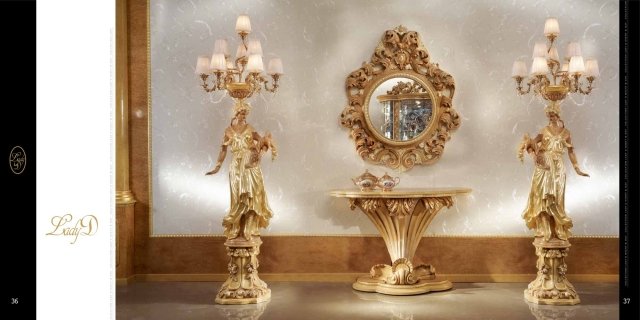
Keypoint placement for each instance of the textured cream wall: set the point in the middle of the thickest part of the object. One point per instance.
(321, 42)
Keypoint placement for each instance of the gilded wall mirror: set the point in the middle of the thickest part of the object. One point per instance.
(400, 104)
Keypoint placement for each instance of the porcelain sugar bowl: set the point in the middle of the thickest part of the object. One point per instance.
(366, 181)
(387, 182)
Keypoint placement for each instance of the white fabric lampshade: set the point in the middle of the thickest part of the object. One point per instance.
(519, 69)
(551, 27)
(241, 51)
(255, 63)
(573, 49)
(591, 68)
(218, 62)
(539, 49)
(275, 66)
(565, 67)
(203, 65)
(539, 66)
(576, 65)
(221, 46)
(255, 47)
(243, 24)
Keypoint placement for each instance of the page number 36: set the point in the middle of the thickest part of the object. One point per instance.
(14, 300)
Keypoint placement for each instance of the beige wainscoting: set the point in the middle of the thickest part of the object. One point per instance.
(317, 258)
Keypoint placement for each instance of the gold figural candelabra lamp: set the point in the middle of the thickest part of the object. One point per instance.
(249, 208)
(552, 79)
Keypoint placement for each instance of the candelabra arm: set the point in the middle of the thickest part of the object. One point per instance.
(518, 85)
(219, 85)
(205, 83)
(255, 80)
(274, 85)
(539, 82)
(589, 86)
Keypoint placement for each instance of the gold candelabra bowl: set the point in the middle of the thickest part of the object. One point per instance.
(555, 92)
(239, 90)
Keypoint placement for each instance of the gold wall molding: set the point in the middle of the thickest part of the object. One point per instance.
(149, 117)
(349, 277)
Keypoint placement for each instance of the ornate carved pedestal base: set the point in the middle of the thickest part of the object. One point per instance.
(401, 279)
(243, 285)
(551, 285)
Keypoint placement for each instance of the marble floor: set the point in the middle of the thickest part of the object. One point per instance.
(331, 300)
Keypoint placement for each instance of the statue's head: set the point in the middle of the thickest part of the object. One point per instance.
(241, 114)
(552, 111)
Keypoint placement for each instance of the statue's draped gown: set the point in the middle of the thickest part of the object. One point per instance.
(248, 196)
(547, 189)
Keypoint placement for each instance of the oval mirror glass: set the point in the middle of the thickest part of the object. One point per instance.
(400, 109)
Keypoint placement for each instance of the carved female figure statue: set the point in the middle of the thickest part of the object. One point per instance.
(545, 208)
(250, 209)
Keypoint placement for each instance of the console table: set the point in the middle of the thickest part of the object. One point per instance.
(401, 216)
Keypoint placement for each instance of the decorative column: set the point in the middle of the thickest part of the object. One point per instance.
(243, 285)
(124, 197)
(551, 285)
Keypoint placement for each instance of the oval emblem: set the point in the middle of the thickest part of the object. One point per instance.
(17, 160)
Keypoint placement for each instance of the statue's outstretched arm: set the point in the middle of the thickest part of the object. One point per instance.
(573, 159)
(221, 156)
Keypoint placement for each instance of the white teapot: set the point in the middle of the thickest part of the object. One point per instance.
(387, 182)
(365, 181)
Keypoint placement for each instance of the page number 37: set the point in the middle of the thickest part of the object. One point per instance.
(626, 300)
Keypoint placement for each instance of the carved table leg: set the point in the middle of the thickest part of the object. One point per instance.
(551, 285)
(243, 285)
(401, 222)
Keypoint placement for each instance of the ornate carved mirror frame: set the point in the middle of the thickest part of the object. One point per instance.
(400, 54)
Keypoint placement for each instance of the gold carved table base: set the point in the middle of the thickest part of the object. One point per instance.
(551, 285)
(401, 279)
(243, 285)
(401, 217)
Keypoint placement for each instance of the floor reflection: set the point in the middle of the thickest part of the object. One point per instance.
(329, 301)
(396, 306)
(242, 312)
(547, 312)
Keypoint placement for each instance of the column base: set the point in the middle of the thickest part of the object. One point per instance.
(561, 301)
(401, 279)
(551, 287)
(264, 297)
(243, 285)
